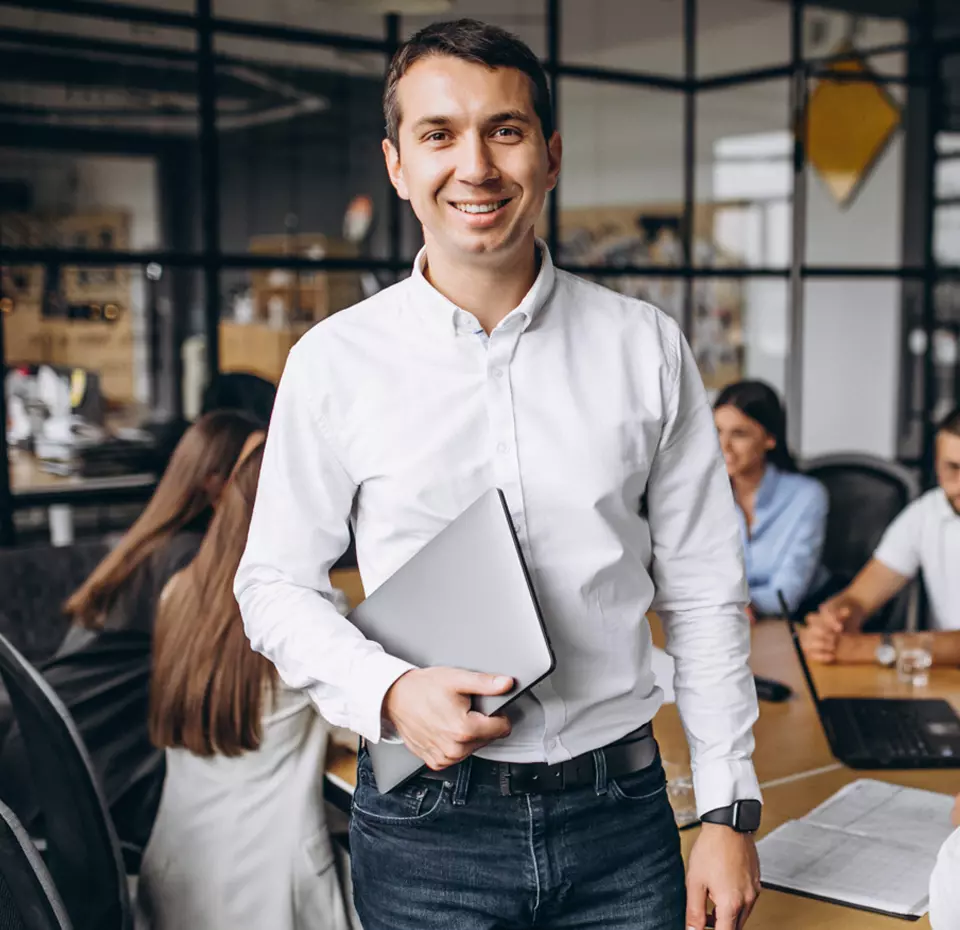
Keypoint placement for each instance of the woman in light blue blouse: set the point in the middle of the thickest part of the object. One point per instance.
(783, 515)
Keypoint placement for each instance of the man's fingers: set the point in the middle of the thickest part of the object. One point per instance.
(484, 729)
(479, 682)
(727, 913)
(696, 907)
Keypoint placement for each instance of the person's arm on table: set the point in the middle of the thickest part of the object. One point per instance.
(700, 597)
(298, 531)
(861, 648)
(800, 561)
(846, 612)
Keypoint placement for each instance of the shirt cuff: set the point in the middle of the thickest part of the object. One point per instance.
(720, 783)
(379, 673)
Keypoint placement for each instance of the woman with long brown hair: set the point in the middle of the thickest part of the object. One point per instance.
(240, 839)
(101, 672)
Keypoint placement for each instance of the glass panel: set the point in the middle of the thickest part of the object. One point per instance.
(740, 330)
(826, 31)
(623, 34)
(744, 176)
(300, 135)
(865, 228)
(946, 235)
(621, 187)
(750, 34)
(851, 366)
(94, 361)
(323, 16)
(265, 312)
(171, 6)
(526, 19)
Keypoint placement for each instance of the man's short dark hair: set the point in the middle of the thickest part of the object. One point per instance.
(950, 423)
(473, 41)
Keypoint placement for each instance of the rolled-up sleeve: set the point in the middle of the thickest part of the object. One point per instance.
(701, 591)
(300, 527)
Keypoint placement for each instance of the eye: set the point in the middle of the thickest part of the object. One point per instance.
(438, 135)
(506, 132)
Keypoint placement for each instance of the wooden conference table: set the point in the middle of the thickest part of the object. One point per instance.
(792, 758)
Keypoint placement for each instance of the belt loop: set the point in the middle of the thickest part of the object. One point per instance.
(600, 771)
(463, 782)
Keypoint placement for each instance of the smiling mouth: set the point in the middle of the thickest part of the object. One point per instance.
(480, 208)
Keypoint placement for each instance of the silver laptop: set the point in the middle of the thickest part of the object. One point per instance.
(463, 601)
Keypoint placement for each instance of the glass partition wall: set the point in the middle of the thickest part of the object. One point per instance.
(186, 186)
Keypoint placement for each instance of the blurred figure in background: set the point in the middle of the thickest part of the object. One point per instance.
(102, 670)
(783, 515)
(924, 538)
(240, 839)
(944, 884)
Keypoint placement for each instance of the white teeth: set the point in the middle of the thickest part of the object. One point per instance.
(480, 207)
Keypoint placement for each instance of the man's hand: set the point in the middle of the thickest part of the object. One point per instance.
(430, 710)
(819, 641)
(724, 866)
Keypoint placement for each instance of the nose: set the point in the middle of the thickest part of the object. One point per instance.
(475, 164)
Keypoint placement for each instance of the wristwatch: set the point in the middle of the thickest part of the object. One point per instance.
(886, 652)
(742, 816)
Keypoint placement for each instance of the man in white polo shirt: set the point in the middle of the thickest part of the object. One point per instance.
(925, 537)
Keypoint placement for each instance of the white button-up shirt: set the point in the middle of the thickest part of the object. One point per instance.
(586, 408)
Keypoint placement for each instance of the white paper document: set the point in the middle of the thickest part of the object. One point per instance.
(872, 845)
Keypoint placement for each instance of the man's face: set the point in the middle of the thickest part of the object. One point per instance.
(948, 467)
(472, 159)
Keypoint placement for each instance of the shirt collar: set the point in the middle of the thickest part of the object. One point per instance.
(442, 315)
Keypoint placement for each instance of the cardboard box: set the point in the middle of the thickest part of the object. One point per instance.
(257, 348)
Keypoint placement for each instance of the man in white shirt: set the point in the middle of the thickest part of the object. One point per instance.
(944, 888)
(489, 367)
(924, 538)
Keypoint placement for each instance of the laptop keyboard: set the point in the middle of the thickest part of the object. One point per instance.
(885, 729)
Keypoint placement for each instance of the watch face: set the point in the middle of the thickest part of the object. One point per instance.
(748, 816)
(886, 654)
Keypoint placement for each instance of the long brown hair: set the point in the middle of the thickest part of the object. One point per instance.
(203, 459)
(207, 686)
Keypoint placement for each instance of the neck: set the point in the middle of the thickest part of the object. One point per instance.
(487, 291)
(745, 484)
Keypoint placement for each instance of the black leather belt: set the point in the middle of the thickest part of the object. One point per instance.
(633, 753)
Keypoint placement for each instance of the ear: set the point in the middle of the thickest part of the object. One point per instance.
(391, 156)
(554, 157)
(770, 443)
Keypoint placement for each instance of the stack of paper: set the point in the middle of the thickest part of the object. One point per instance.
(872, 845)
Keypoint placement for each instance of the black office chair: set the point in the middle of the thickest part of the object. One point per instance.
(82, 853)
(37, 580)
(866, 493)
(28, 896)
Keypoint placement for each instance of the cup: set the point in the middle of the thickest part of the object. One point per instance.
(914, 658)
(680, 794)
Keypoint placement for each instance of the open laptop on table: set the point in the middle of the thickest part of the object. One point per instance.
(886, 733)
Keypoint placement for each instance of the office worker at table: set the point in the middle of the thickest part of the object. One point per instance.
(782, 514)
(925, 538)
(490, 367)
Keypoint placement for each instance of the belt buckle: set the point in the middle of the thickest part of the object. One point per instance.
(534, 779)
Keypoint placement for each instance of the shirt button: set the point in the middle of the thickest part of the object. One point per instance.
(498, 373)
(501, 447)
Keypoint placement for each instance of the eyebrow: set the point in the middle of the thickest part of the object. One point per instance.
(506, 116)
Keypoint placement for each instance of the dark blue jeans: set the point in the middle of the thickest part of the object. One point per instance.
(435, 855)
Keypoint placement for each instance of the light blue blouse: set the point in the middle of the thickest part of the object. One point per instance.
(783, 548)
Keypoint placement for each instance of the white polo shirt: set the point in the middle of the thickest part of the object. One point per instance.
(926, 536)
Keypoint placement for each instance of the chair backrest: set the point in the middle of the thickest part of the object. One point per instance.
(866, 493)
(28, 896)
(83, 853)
(37, 580)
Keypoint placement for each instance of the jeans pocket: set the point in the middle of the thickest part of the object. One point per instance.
(419, 801)
(644, 785)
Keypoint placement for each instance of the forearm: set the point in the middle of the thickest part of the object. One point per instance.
(716, 699)
(861, 648)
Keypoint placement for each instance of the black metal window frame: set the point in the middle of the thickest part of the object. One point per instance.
(210, 260)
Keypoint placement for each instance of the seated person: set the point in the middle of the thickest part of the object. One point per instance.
(240, 839)
(783, 515)
(101, 672)
(925, 537)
